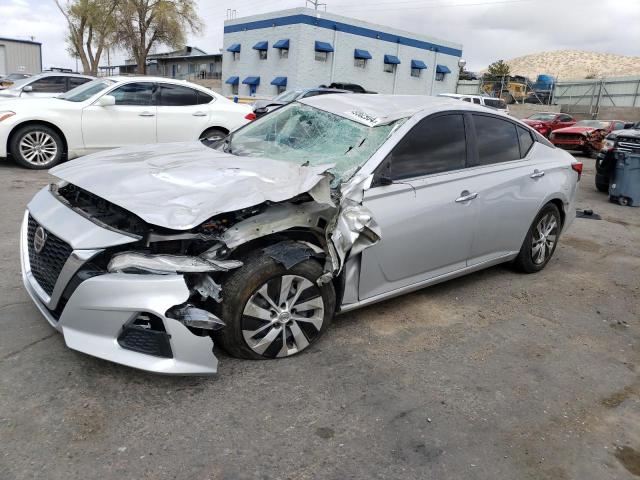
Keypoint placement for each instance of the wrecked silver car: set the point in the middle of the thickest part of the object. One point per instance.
(146, 256)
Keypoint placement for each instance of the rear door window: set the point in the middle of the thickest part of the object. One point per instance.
(203, 98)
(435, 145)
(497, 140)
(177, 96)
(74, 82)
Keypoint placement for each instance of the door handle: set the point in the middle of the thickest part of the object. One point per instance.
(199, 114)
(536, 174)
(147, 114)
(465, 196)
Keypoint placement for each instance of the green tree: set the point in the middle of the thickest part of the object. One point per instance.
(143, 24)
(498, 69)
(92, 27)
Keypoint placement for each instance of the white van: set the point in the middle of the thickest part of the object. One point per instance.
(495, 103)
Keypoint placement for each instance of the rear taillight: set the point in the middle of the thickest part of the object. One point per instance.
(577, 167)
(250, 116)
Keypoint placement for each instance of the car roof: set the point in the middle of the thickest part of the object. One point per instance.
(379, 109)
(60, 74)
(325, 89)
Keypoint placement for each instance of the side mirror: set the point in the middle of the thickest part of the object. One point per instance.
(27, 88)
(106, 100)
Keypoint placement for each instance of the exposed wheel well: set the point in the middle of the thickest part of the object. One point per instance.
(222, 129)
(37, 122)
(558, 203)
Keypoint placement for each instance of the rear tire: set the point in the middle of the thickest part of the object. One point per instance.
(541, 240)
(256, 327)
(37, 147)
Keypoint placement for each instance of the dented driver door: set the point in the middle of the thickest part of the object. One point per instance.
(419, 202)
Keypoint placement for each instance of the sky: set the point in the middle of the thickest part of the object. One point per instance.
(488, 29)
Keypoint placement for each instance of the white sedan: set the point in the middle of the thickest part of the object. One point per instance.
(113, 112)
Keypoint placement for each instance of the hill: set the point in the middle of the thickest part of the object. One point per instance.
(574, 64)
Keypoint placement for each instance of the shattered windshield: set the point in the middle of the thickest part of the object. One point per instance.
(302, 134)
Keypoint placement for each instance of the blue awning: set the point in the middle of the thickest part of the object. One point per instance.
(235, 48)
(442, 69)
(233, 80)
(358, 53)
(282, 43)
(251, 81)
(392, 59)
(279, 81)
(323, 47)
(261, 46)
(418, 64)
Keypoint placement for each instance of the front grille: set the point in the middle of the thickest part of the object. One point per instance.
(629, 144)
(47, 264)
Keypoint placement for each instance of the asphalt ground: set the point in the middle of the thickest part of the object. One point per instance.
(497, 375)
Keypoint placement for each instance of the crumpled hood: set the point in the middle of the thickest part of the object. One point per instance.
(180, 185)
(577, 130)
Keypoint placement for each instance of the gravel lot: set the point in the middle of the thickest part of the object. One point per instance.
(497, 375)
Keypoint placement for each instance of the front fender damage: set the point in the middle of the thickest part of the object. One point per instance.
(325, 223)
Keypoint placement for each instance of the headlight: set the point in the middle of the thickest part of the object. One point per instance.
(6, 114)
(166, 264)
(608, 145)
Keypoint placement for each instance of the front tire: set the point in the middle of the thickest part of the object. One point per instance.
(37, 147)
(271, 311)
(541, 240)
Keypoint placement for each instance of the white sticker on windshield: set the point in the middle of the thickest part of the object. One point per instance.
(369, 119)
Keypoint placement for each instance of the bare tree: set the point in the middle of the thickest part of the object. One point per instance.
(143, 24)
(92, 27)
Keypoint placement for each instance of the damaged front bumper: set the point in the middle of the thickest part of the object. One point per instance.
(121, 317)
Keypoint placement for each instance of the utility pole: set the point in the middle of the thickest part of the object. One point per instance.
(316, 4)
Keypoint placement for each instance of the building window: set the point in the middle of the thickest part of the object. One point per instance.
(360, 62)
(321, 56)
(236, 55)
(192, 68)
(234, 89)
(284, 53)
(390, 67)
(440, 76)
(262, 54)
(281, 89)
(252, 90)
(415, 72)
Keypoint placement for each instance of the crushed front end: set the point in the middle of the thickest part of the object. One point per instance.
(121, 317)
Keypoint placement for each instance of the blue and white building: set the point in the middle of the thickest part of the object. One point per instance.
(299, 48)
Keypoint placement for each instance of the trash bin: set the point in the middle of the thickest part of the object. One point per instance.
(625, 183)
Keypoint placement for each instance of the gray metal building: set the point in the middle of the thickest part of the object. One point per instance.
(20, 56)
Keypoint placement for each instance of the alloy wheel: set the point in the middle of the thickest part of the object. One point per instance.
(544, 238)
(38, 148)
(283, 316)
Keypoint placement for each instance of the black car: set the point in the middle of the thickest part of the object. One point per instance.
(262, 107)
(352, 87)
(627, 140)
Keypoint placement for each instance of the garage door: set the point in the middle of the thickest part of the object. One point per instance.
(3, 61)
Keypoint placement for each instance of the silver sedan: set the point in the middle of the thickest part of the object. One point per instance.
(147, 255)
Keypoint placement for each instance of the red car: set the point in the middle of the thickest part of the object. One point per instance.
(586, 135)
(547, 122)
